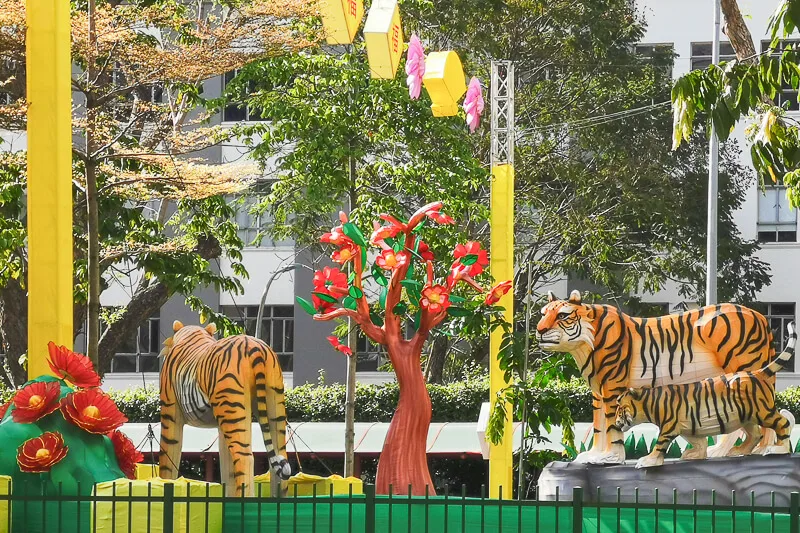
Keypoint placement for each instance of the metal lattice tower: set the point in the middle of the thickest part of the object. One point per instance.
(502, 102)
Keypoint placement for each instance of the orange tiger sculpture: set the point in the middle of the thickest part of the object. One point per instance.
(616, 352)
(219, 384)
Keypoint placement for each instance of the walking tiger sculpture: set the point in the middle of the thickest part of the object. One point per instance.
(219, 384)
(616, 352)
(698, 410)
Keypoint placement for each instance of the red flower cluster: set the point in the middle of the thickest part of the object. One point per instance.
(338, 346)
(424, 251)
(35, 401)
(435, 298)
(73, 367)
(92, 410)
(127, 454)
(41, 453)
(497, 292)
(346, 253)
(472, 248)
(390, 260)
(330, 281)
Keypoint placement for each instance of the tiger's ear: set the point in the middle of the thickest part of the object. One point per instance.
(575, 297)
(177, 325)
(169, 342)
(551, 297)
(211, 328)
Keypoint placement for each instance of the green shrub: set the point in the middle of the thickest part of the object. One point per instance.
(140, 404)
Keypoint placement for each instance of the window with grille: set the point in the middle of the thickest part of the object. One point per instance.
(369, 356)
(779, 315)
(777, 220)
(139, 351)
(701, 54)
(251, 222)
(238, 111)
(787, 98)
(277, 328)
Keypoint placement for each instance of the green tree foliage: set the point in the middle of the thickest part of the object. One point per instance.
(745, 89)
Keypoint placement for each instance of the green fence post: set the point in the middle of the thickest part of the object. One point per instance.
(794, 513)
(369, 509)
(577, 510)
(169, 507)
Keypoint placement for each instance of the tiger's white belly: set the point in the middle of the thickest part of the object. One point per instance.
(709, 425)
(703, 365)
(195, 406)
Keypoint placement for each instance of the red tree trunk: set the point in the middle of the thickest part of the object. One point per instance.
(404, 460)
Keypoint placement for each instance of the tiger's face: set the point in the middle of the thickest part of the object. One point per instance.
(565, 325)
(629, 410)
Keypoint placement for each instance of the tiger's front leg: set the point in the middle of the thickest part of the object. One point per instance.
(169, 456)
(656, 457)
(608, 446)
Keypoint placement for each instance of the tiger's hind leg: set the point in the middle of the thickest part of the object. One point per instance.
(698, 450)
(752, 437)
(235, 429)
(782, 423)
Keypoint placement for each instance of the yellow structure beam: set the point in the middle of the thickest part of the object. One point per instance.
(501, 462)
(50, 282)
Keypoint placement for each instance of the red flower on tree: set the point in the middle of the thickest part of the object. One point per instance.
(337, 345)
(389, 259)
(346, 253)
(331, 281)
(382, 233)
(336, 237)
(127, 454)
(470, 250)
(4, 409)
(35, 401)
(497, 292)
(73, 367)
(92, 410)
(424, 251)
(439, 217)
(41, 453)
(435, 298)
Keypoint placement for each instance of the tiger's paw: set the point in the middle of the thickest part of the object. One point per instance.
(777, 449)
(280, 466)
(649, 460)
(600, 458)
(692, 454)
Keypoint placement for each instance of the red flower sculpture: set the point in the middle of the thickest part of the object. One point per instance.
(41, 453)
(382, 233)
(4, 409)
(75, 368)
(497, 292)
(337, 345)
(424, 251)
(331, 281)
(472, 248)
(435, 298)
(126, 452)
(345, 254)
(439, 217)
(92, 410)
(389, 259)
(335, 237)
(35, 401)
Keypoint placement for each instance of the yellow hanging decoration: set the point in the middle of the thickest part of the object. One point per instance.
(341, 19)
(383, 35)
(444, 81)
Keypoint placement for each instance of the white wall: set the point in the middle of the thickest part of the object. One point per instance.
(682, 22)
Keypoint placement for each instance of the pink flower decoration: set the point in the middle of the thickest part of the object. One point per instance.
(415, 67)
(473, 104)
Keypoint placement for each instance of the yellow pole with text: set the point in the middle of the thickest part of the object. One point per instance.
(501, 461)
(50, 281)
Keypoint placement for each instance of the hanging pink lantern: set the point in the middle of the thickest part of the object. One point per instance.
(473, 104)
(415, 67)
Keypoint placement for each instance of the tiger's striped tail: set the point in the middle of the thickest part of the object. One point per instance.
(271, 411)
(783, 358)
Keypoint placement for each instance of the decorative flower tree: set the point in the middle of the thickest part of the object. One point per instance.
(406, 293)
(59, 436)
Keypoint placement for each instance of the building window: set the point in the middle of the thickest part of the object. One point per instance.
(139, 352)
(701, 54)
(787, 98)
(238, 112)
(778, 315)
(252, 223)
(369, 356)
(277, 328)
(777, 220)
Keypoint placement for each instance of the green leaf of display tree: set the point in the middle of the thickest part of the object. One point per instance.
(458, 311)
(400, 309)
(352, 231)
(325, 297)
(469, 259)
(355, 292)
(379, 276)
(306, 305)
(349, 303)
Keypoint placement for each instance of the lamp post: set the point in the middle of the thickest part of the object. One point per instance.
(713, 184)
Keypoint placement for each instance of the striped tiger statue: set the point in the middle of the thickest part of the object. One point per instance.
(698, 410)
(218, 384)
(616, 352)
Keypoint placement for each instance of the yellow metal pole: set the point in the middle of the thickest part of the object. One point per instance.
(50, 281)
(501, 465)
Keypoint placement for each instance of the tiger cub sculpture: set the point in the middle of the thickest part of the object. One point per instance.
(219, 384)
(709, 407)
(616, 352)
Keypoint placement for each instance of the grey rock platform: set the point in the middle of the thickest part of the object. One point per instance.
(761, 474)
